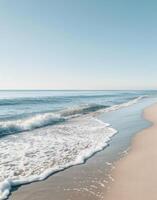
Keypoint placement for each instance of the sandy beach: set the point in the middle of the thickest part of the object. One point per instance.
(135, 175)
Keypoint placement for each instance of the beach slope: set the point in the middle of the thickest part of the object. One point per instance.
(135, 176)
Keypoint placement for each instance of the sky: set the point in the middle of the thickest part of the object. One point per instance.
(78, 44)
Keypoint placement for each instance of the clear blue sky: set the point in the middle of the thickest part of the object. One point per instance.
(78, 44)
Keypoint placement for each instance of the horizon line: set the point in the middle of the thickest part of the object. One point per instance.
(75, 89)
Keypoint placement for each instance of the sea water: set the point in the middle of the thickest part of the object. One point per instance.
(42, 132)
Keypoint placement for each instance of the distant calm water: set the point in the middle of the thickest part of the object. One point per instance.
(45, 131)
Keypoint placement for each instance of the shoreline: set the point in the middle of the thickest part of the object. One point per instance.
(90, 181)
(135, 174)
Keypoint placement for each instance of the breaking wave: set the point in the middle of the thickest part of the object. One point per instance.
(46, 119)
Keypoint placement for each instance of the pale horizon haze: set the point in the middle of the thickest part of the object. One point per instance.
(78, 44)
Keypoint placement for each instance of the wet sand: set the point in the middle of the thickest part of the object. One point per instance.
(135, 176)
(86, 182)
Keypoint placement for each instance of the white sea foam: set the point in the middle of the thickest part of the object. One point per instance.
(44, 119)
(44, 151)
(123, 105)
(37, 121)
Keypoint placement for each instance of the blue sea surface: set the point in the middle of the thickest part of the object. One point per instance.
(24, 105)
(43, 132)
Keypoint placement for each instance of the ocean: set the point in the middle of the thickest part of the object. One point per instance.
(42, 132)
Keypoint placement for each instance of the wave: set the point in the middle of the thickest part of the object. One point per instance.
(41, 155)
(123, 105)
(46, 119)
(56, 99)
(42, 119)
(47, 99)
(28, 101)
(37, 121)
(83, 109)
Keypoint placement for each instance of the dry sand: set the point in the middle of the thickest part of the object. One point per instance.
(136, 174)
